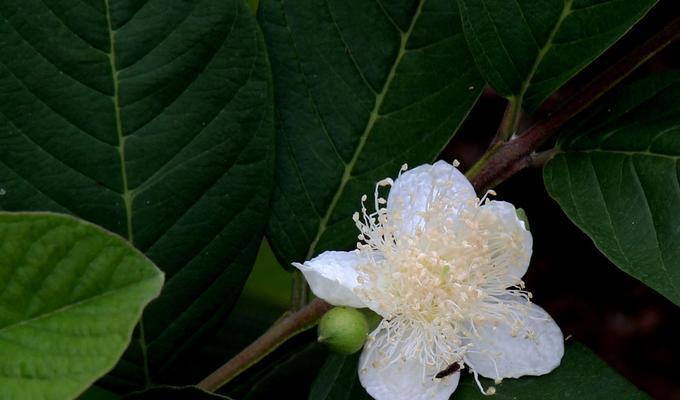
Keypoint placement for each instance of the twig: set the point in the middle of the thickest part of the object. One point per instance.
(286, 328)
(510, 121)
(477, 167)
(514, 156)
(538, 160)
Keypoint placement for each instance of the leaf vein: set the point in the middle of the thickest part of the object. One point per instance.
(160, 42)
(44, 57)
(607, 212)
(663, 265)
(312, 100)
(194, 78)
(52, 109)
(52, 156)
(364, 136)
(349, 50)
(191, 206)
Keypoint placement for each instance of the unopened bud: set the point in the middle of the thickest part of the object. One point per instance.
(343, 330)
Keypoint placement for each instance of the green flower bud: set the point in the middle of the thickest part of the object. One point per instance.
(522, 215)
(343, 330)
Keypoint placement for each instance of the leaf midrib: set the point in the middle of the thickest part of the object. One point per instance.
(75, 304)
(126, 193)
(626, 153)
(542, 51)
(373, 117)
(650, 214)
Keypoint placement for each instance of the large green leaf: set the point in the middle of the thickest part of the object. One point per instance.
(246, 322)
(361, 88)
(528, 48)
(582, 375)
(155, 122)
(617, 179)
(265, 298)
(70, 296)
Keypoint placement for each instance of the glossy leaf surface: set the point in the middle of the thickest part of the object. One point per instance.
(153, 122)
(528, 48)
(362, 87)
(617, 179)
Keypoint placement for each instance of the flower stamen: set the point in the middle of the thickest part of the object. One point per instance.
(433, 285)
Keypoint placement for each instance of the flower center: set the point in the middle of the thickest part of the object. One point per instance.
(438, 269)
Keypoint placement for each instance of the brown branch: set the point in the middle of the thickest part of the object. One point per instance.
(538, 160)
(286, 328)
(515, 155)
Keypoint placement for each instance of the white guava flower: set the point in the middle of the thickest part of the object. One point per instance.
(443, 269)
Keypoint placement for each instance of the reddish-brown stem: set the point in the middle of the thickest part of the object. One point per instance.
(538, 160)
(287, 327)
(515, 155)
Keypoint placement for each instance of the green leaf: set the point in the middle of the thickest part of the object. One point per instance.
(156, 123)
(175, 393)
(71, 296)
(582, 375)
(617, 179)
(361, 88)
(338, 380)
(249, 319)
(526, 49)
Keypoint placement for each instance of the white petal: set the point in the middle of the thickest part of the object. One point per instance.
(411, 193)
(512, 236)
(332, 276)
(405, 379)
(535, 350)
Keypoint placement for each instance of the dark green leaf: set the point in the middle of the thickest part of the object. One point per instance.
(338, 380)
(361, 88)
(527, 49)
(582, 375)
(155, 122)
(175, 393)
(617, 179)
(71, 296)
(300, 366)
(249, 319)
